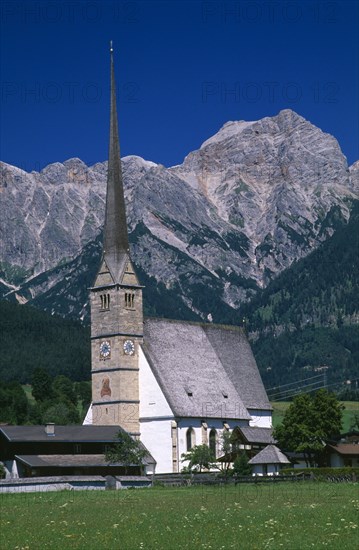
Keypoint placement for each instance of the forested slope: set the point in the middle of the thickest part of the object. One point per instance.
(308, 316)
(30, 338)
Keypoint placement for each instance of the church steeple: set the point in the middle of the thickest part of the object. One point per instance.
(116, 307)
(116, 247)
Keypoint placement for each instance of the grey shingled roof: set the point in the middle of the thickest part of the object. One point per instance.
(209, 361)
(257, 435)
(236, 355)
(269, 455)
(76, 434)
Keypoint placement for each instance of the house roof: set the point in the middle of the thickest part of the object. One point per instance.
(346, 449)
(75, 434)
(269, 455)
(66, 461)
(257, 435)
(204, 370)
(66, 434)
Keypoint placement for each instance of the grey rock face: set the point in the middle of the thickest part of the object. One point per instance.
(354, 177)
(275, 180)
(254, 198)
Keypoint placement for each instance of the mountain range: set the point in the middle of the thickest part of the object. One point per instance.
(206, 236)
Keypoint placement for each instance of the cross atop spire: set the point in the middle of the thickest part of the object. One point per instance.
(116, 247)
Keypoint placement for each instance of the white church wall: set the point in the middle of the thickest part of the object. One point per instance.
(88, 418)
(155, 418)
(156, 436)
(153, 403)
(260, 419)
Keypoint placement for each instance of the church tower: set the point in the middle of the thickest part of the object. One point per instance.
(116, 306)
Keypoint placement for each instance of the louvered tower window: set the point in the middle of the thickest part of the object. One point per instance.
(129, 300)
(104, 301)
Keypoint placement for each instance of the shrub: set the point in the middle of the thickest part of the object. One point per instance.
(322, 473)
(241, 466)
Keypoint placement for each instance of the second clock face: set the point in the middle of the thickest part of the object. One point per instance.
(105, 350)
(129, 347)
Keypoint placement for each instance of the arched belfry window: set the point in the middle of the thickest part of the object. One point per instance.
(213, 442)
(190, 439)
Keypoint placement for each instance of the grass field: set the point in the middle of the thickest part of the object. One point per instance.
(351, 407)
(292, 516)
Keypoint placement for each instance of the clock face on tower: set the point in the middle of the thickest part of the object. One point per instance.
(129, 347)
(105, 350)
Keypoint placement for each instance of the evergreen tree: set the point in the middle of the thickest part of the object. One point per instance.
(41, 385)
(241, 466)
(14, 405)
(63, 389)
(83, 393)
(61, 414)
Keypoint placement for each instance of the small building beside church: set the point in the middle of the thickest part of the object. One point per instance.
(36, 451)
(269, 461)
(171, 384)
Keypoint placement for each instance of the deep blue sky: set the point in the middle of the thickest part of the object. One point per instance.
(176, 66)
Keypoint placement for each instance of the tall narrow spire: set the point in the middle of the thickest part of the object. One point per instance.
(116, 247)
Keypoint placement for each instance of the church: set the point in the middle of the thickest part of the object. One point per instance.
(171, 384)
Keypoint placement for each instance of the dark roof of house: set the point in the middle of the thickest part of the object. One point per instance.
(66, 434)
(346, 449)
(269, 455)
(257, 435)
(66, 461)
(75, 434)
(204, 370)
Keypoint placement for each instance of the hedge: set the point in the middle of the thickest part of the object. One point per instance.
(322, 472)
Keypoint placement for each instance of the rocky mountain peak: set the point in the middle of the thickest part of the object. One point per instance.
(255, 197)
(228, 130)
(139, 161)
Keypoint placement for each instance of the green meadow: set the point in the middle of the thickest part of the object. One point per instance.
(294, 516)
